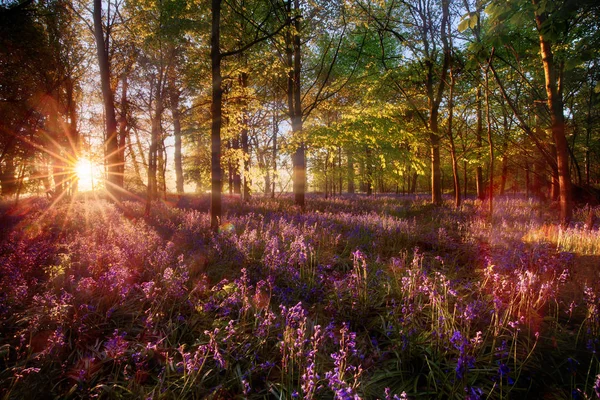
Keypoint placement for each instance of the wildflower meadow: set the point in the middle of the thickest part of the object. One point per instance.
(380, 297)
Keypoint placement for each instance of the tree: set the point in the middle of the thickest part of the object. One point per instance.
(102, 37)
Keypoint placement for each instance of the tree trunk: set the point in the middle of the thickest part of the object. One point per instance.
(465, 179)
(216, 113)
(244, 137)
(176, 114)
(555, 104)
(162, 163)
(136, 167)
(73, 134)
(369, 171)
(434, 104)
(122, 137)
(527, 183)
(111, 144)
(341, 177)
(237, 177)
(351, 188)
(479, 143)
(295, 106)
(152, 190)
(490, 142)
(275, 131)
(504, 173)
(455, 176)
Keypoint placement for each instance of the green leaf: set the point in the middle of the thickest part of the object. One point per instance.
(464, 24)
(473, 20)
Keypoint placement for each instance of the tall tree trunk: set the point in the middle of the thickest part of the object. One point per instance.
(134, 162)
(434, 104)
(216, 114)
(295, 105)
(527, 183)
(479, 144)
(351, 188)
(369, 171)
(152, 190)
(465, 179)
(504, 173)
(552, 74)
(588, 127)
(176, 114)
(244, 137)
(325, 172)
(111, 144)
(490, 141)
(436, 174)
(123, 131)
(237, 177)
(340, 177)
(456, 179)
(162, 163)
(275, 132)
(73, 133)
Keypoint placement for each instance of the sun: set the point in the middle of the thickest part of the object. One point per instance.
(88, 174)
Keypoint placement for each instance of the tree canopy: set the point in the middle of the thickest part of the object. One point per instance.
(291, 95)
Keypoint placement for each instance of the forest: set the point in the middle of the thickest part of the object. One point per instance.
(281, 199)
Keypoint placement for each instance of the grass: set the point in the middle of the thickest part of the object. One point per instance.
(383, 297)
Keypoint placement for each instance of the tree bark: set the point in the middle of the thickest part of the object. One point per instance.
(176, 114)
(555, 104)
(351, 188)
(457, 198)
(216, 114)
(152, 190)
(369, 171)
(244, 137)
(122, 130)
(490, 141)
(295, 106)
(275, 132)
(434, 104)
(111, 144)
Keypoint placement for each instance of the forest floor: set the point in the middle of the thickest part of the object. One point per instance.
(380, 297)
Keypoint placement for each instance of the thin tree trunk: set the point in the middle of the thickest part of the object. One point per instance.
(504, 173)
(479, 143)
(216, 114)
(176, 114)
(351, 188)
(340, 168)
(527, 184)
(136, 167)
(275, 132)
(244, 137)
(369, 171)
(237, 177)
(465, 179)
(413, 185)
(490, 141)
(122, 130)
(73, 133)
(457, 198)
(152, 193)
